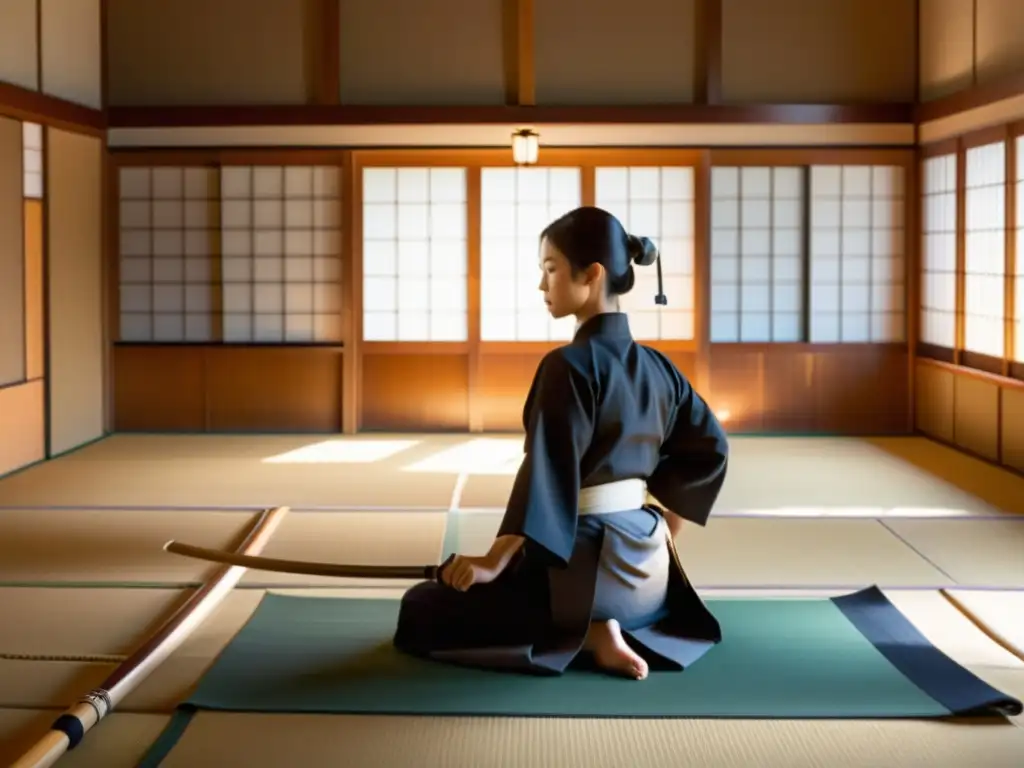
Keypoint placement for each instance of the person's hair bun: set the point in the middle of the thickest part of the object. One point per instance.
(642, 250)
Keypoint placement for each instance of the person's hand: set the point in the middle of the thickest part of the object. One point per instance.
(464, 571)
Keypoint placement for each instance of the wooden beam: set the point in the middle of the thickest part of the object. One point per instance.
(475, 396)
(707, 52)
(35, 107)
(520, 75)
(283, 115)
(352, 295)
(104, 58)
(323, 51)
(971, 98)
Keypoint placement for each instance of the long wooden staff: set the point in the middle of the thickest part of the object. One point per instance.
(69, 729)
(305, 567)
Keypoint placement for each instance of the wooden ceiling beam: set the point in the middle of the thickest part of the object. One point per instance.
(793, 114)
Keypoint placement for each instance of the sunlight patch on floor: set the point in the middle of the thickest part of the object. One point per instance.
(343, 452)
(481, 456)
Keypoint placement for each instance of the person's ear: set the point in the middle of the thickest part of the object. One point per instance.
(593, 273)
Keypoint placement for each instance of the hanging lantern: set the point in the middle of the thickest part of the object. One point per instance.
(525, 147)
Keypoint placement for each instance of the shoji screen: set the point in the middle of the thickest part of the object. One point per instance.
(1018, 335)
(985, 249)
(656, 203)
(414, 254)
(856, 264)
(757, 271)
(938, 255)
(168, 224)
(281, 254)
(516, 205)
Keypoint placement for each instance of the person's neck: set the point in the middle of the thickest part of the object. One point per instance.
(603, 309)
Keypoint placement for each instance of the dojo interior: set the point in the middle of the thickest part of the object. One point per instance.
(265, 253)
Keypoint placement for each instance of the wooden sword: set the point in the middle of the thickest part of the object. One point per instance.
(304, 567)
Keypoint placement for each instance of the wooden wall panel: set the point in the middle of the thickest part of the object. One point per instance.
(415, 392)
(818, 51)
(862, 391)
(75, 366)
(976, 412)
(19, 63)
(12, 260)
(933, 402)
(158, 389)
(976, 416)
(22, 425)
(503, 383)
(176, 388)
(854, 390)
(1013, 428)
(736, 387)
(789, 403)
(72, 57)
(190, 52)
(444, 52)
(608, 52)
(946, 47)
(274, 389)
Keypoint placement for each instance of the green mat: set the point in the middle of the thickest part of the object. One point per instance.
(847, 657)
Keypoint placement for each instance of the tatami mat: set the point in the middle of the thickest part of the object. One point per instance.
(111, 546)
(120, 741)
(221, 739)
(980, 554)
(768, 475)
(126, 547)
(82, 621)
(803, 480)
(277, 740)
(353, 538)
(43, 684)
(996, 486)
(217, 739)
(999, 613)
(765, 552)
(254, 471)
(791, 475)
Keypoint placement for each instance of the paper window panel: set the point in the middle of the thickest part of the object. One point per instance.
(516, 205)
(657, 203)
(857, 264)
(985, 249)
(1017, 352)
(415, 254)
(168, 224)
(32, 160)
(938, 252)
(281, 254)
(756, 254)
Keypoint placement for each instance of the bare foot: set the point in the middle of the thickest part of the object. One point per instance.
(611, 652)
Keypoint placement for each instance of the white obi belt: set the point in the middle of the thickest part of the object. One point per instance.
(618, 496)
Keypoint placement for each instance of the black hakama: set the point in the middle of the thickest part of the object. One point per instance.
(600, 410)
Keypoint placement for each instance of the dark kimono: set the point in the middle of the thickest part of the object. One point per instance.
(601, 409)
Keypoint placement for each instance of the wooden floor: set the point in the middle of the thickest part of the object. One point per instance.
(83, 579)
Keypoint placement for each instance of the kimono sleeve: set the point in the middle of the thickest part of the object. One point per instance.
(559, 420)
(694, 458)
